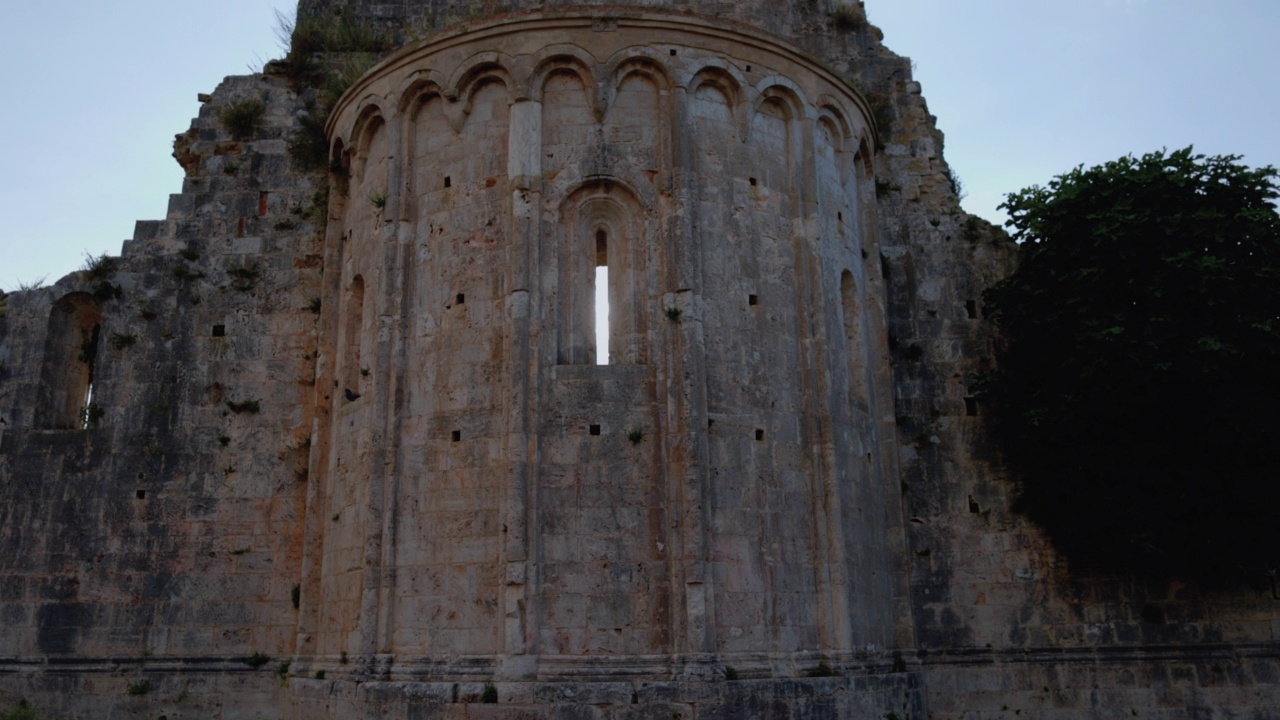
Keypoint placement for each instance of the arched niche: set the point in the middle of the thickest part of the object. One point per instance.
(864, 196)
(855, 338)
(352, 341)
(70, 358)
(715, 103)
(602, 224)
(559, 59)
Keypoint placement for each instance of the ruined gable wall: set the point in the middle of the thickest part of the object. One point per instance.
(162, 541)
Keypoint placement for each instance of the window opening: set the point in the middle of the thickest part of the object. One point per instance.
(89, 356)
(602, 297)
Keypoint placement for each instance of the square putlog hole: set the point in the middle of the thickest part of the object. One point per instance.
(141, 494)
(594, 429)
(448, 181)
(456, 436)
(461, 299)
(759, 434)
(753, 300)
(971, 407)
(219, 331)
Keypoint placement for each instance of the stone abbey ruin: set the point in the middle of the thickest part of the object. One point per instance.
(333, 442)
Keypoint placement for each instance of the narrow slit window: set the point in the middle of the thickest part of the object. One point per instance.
(602, 297)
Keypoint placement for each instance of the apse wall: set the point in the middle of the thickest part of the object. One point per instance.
(712, 494)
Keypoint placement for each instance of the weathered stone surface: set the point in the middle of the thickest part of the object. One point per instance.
(347, 452)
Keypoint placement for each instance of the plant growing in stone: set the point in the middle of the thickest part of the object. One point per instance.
(249, 407)
(22, 710)
(636, 436)
(378, 200)
(674, 313)
(957, 185)
(312, 44)
(98, 267)
(822, 670)
(91, 415)
(847, 18)
(241, 118)
(183, 272)
(120, 341)
(105, 290)
(141, 687)
(28, 286)
(244, 277)
(256, 660)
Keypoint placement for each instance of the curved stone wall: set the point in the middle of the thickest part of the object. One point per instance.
(490, 498)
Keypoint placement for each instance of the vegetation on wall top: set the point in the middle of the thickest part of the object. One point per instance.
(1139, 366)
(326, 53)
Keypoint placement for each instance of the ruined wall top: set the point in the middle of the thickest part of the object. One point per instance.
(807, 23)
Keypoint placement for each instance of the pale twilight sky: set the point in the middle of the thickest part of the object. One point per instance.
(93, 93)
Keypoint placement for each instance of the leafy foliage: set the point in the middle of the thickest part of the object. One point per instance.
(1139, 367)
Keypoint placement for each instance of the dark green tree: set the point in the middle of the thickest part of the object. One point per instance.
(1137, 386)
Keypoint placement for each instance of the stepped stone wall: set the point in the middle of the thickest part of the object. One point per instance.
(335, 444)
